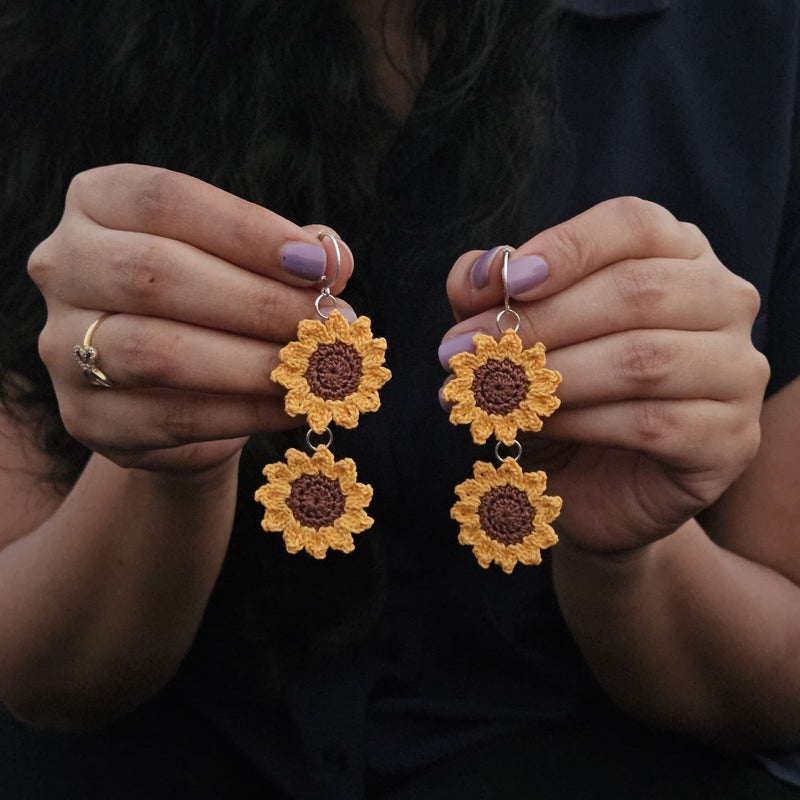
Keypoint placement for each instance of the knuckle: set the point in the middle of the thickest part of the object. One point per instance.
(652, 422)
(85, 184)
(81, 185)
(50, 348)
(142, 270)
(179, 422)
(646, 219)
(750, 440)
(568, 251)
(263, 309)
(148, 356)
(645, 359)
(692, 234)
(762, 369)
(641, 286)
(157, 196)
(249, 224)
(749, 298)
(41, 262)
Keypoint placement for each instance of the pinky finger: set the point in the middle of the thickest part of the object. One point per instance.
(138, 420)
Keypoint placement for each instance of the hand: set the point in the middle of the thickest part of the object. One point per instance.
(202, 305)
(661, 389)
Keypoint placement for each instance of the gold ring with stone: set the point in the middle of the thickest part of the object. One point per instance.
(86, 355)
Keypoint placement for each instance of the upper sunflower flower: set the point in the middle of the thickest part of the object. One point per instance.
(333, 371)
(501, 388)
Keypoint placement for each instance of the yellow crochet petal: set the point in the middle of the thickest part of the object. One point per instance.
(298, 400)
(481, 428)
(344, 413)
(339, 327)
(356, 521)
(532, 483)
(367, 401)
(509, 346)
(485, 347)
(318, 414)
(339, 539)
(464, 362)
(504, 429)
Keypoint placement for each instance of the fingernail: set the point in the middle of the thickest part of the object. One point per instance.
(479, 274)
(306, 261)
(454, 346)
(445, 404)
(525, 273)
(346, 312)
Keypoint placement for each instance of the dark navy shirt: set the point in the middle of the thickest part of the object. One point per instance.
(689, 103)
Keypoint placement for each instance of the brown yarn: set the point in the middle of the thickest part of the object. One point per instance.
(334, 371)
(506, 514)
(316, 501)
(500, 386)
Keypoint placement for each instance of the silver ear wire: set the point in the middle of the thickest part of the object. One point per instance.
(326, 283)
(507, 310)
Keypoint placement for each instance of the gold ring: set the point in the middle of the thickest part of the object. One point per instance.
(86, 355)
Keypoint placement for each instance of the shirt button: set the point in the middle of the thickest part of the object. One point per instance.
(334, 759)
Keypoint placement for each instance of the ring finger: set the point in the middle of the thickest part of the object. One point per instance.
(140, 352)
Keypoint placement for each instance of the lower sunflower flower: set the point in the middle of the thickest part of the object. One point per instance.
(315, 502)
(504, 514)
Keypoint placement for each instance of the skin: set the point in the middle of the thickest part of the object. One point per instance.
(677, 570)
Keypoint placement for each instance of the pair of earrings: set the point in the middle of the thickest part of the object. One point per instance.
(333, 373)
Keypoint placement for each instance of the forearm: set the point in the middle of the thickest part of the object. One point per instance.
(687, 635)
(99, 605)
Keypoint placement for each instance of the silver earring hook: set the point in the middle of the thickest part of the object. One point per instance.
(507, 310)
(325, 291)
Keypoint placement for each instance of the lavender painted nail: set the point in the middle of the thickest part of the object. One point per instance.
(479, 273)
(526, 273)
(347, 312)
(306, 261)
(458, 344)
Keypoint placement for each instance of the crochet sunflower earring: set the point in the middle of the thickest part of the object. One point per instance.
(501, 389)
(333, 372)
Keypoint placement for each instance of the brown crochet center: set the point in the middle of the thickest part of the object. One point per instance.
(334, 371)
(316, 501)
(506, 514)
(499, 386)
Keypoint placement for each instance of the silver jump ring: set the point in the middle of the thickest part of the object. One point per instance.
(517, 451)
(323, 296)
(326, 443)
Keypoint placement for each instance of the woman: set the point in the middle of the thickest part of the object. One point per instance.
(150, 620)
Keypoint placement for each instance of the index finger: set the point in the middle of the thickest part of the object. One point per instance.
(134, 197)
(624, 228)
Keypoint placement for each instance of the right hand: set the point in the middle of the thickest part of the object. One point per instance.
(201, 304)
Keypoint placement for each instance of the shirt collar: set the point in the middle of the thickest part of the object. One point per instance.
(611, 9)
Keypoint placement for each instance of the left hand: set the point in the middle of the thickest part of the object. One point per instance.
(662, 387)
